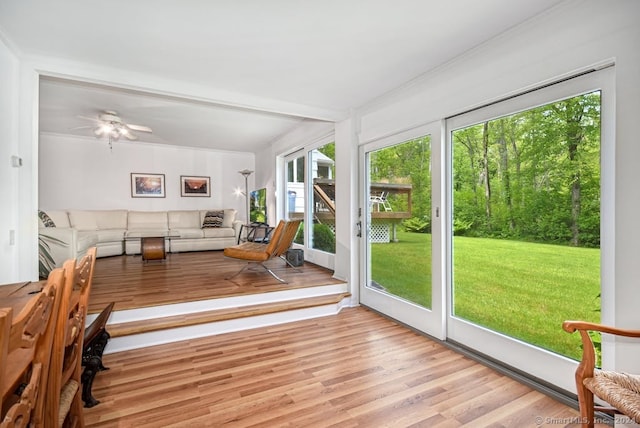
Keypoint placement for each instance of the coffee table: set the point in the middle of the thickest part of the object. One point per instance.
(152, 244)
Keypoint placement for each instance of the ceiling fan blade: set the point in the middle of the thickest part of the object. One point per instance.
(81, 127)
(93, 119)
(139, 128)
(130, 136)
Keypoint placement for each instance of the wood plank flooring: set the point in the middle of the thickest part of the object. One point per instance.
(185, 277)
(355, 369)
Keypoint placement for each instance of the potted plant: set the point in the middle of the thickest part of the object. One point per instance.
(46, 263)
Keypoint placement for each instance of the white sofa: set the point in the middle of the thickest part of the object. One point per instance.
(113, 232)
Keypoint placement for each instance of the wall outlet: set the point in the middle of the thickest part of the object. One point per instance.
(12, 237)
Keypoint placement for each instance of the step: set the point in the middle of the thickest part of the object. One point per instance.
(132, 329)
(164, 323)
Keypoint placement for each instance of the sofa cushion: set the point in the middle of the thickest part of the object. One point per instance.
(188, 232)
(46, 221)
(219, 232)
(145, 220)
(110, 235)
(83, 220)
(145, 233)
(213, 219)
(184, 219)
(111, 219)
(229, 217)
(86, 240)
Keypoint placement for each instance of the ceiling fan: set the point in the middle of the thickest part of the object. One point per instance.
(109, 124)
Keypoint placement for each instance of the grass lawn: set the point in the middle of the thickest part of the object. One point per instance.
(521, 289)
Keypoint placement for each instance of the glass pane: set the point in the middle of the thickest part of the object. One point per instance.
(290, 174)
(526, 222)
(295, 194)
(324, 198)
(300, 170)
(399, 235)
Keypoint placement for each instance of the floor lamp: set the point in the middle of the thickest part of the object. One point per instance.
(246, 173)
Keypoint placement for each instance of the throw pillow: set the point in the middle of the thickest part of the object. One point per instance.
(213, 219)
(46, 220)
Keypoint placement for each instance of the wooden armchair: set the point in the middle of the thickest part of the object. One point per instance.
(64, 395)
(25, 351)
(620, 390)
(257, 253)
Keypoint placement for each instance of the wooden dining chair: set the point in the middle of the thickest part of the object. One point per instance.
(620, 390)
(25, 349)
(63, 405)
(258, 254)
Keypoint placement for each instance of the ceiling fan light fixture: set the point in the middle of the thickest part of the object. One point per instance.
(104, 129)
(111, 126)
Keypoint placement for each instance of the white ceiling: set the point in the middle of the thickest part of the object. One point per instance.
(252, 59)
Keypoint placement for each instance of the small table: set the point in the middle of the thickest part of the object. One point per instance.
(17, 295)
(152, 244)
(256, 232)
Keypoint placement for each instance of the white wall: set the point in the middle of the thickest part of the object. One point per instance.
(82, 173)
(9, 175)
(574, 37)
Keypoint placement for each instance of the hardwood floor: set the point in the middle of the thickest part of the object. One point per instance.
(185, 277)
(355, 369)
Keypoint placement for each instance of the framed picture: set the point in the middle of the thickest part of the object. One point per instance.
(191, 185)
(147, 185)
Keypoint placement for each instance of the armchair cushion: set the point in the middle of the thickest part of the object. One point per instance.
(621, 390)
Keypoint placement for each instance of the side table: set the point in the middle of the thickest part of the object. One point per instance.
(255, 232)
(152, 244)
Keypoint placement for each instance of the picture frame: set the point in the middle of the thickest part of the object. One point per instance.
(195, 185)
(145, 185)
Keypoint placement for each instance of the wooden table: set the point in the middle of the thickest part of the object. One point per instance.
(153, 248)
(16, 295)
(152, 244)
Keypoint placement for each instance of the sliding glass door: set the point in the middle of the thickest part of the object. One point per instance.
(526, 190)
(401, 228)
(310, 195)
(494, 234)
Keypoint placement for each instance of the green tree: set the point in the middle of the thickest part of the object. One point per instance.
(533, 175)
